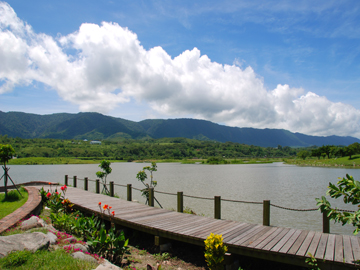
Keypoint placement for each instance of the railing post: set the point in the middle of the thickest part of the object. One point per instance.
(74, 181)
(129, 192)
(66, 180)
(266, 212)
(112, 188)
(97, 186)
(326, 222)
(86, 183)
(180, 202)
(151, 196)
(217, 213)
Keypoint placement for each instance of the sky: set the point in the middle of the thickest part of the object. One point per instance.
(291, 65)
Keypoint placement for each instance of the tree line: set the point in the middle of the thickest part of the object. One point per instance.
(328, 151)
(129, 149)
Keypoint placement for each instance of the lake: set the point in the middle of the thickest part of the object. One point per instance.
(284, 185)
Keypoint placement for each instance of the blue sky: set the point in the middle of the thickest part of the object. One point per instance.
(264, 64)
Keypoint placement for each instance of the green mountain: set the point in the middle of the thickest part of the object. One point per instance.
(95, 126)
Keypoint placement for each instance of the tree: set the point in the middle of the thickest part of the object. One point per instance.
(105, 166)
(349, 189)
(142, 176)
(303, 154)
(6, 153)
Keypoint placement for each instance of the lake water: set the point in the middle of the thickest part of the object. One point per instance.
(284, 185)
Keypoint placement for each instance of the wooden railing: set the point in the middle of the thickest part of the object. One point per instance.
(180, 201)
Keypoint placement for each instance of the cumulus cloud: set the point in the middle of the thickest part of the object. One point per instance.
(99, 67)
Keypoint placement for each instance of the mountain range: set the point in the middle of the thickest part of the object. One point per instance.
(96, 126)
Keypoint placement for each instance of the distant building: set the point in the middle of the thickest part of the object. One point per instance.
(95, 142)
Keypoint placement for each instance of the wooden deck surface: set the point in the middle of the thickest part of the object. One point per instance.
(265, 242)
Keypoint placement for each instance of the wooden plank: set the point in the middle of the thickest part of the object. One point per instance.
(206, 229)
(250, 235)
(225, 224)
(348, 255)
(305, 245)
(220, 229)
(339, 249)
(263, 237)
(314, 244)
(178, 218)
(320, 251)
(189, 230)
(330, 248)
(260, 234)
(355, 247)
(181, 227)
(282, 242)
(296, 246)
(276, 239)
(158, 216)
(231, 231)
(290, 242)
(244, 233)
(237, 232)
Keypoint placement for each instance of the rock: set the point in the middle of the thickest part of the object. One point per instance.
(30, 241)
(106, 265)
(80, 247)
(52, 237)
(33, 222)
(71, 239)
(85, 257)
(30, 223)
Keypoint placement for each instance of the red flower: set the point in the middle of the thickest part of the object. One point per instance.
(48, 195)
(105, 206)
(57, 193)
(64, 187)
(110, 207)
(99, 203)
(113, 213)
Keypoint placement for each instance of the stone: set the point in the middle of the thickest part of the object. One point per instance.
(82, 256)
(106, 265)
(30, 223)
(52, 237)
(17, 242)
(80, 247)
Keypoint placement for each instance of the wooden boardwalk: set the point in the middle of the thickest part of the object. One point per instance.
(285, 245)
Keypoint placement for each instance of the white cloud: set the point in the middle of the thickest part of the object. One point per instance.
(109, 66)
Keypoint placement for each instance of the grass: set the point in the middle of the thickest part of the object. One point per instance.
(44, 259)
(353, 162)
(13, 202)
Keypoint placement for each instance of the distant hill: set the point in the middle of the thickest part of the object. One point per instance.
(95, 126)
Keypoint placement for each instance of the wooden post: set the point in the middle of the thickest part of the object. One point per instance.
(217, 213)
(151, 196)
(85, 183)
(74, 181)
(112, 188)
(266, 212)
(326, 223)
(66, 180)
(180, 202)
(97, 186)
(129, 193)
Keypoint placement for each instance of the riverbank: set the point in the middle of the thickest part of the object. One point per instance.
(69, 160)
(342, 162)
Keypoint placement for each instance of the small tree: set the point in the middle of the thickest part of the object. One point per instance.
(106, 170)
(303, 154)
(6, 153)
(349, 189)
(142, 176)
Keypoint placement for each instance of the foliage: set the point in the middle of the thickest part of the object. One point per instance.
(303, 154)
(215, 251)
(349, 189)
(58, 259)
(142, 176)
(9, 205)
(106, 170)
(55, 200)
(312, 262)
(6, 153)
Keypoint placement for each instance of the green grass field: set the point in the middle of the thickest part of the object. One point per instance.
(13, 202)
